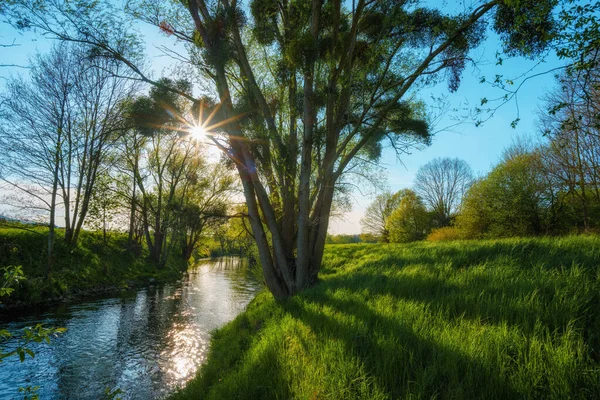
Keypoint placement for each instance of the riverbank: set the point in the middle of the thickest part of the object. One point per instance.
(91, 268)
(503, 319)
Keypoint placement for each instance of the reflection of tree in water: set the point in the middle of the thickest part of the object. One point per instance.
(237, 271)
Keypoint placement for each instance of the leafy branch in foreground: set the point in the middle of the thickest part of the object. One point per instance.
(13, 275)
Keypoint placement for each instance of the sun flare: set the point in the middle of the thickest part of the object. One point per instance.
(198, 132)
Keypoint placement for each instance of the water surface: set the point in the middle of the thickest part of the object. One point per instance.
(146, 343)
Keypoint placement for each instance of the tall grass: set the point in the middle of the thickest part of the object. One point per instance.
(503, 319)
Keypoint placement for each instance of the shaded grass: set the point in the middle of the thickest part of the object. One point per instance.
(502, 319)
(92, 264)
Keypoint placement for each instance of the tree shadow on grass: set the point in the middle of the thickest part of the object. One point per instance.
(516, 300)
(402, 363)
(527, 304)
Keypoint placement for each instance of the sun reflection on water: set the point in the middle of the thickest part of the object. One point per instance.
(185, 351)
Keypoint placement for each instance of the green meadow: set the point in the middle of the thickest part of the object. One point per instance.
(497, 319)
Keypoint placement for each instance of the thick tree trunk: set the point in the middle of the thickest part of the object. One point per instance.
(303, 247)
(272, 276)
(319, 233)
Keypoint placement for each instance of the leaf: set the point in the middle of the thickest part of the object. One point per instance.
(30, 352)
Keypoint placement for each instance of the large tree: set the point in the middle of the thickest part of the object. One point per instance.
(327, 87)
(572, 125)
(441, 183)
(36, 119)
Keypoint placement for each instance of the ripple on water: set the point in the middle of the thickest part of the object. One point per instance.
(146, 343)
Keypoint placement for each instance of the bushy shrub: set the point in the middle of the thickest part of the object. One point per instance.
(445, 233)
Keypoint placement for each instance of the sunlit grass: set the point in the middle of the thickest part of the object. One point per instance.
(517, 318)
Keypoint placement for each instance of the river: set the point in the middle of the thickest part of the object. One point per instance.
(145, 343)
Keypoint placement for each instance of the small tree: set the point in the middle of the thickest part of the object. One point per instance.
(376, 215)
(204, 206)
(441, 183)
(410, 221)
(104, 205)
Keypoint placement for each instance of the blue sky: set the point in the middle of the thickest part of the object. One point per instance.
(479, 146)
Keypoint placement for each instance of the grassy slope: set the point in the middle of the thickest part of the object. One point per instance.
(92, 264)
(517, 318)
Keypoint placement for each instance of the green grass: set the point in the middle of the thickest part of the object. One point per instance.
(503, 319)
(92, 264)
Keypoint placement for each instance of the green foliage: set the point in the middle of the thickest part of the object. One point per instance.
(578, 34)
(35, 334)
(525, 27)
(348, 239)
(501, 319)
(12, 276)
(30, 393)
(342, 239)
(410, 221)
(508, 202)
(112, 394)
(104, 204)
(233, 236)
(377, 213)
(160, 108)
(91, 265)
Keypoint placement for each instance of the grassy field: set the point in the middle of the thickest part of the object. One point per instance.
(503, 319)
(91, 265)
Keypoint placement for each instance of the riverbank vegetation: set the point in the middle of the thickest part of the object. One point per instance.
(494, 319)
(93, 266)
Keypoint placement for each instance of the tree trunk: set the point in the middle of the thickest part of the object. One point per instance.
(51, 233)
(132, 209)
(303, 247)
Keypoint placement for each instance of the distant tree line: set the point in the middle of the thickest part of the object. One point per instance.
(349, 239)
(549, 188)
